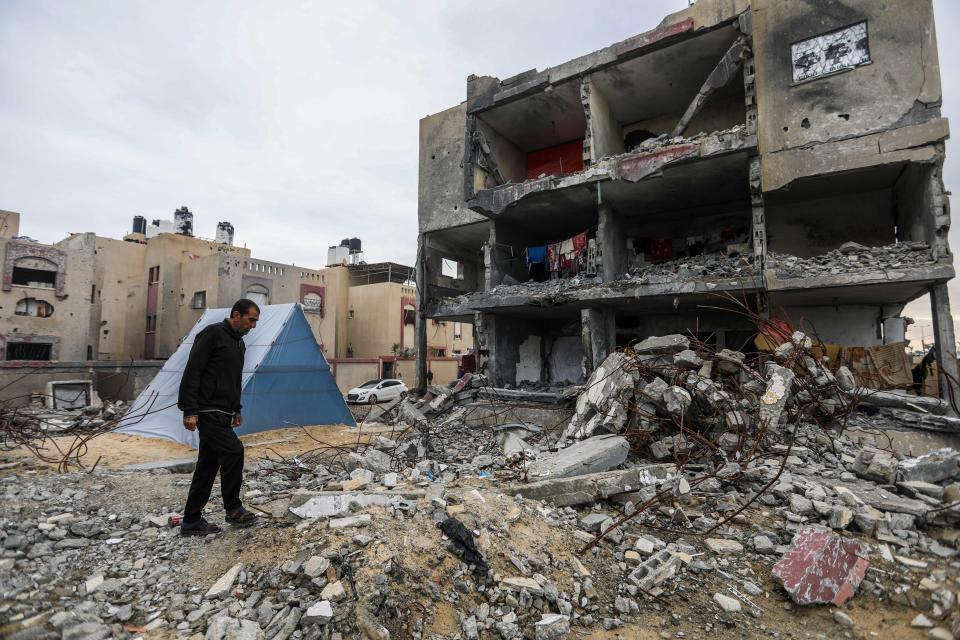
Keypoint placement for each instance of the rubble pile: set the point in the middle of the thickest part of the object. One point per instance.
(851, 256)
(692, 493)
(665, 140)
(707, 266)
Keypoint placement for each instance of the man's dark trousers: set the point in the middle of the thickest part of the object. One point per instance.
(220, 450)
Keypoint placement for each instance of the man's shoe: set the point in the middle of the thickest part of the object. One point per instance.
(241, 518)
(199, 528)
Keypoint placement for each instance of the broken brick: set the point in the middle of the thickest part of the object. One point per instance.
(821, 567)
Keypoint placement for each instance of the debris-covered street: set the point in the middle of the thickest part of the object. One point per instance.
(688, 494)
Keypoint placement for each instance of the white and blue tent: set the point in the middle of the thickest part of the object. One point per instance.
(286, 381)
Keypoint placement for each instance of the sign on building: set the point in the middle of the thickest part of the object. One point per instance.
(830, 52)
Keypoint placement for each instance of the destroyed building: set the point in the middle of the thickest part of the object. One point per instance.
(778, 154)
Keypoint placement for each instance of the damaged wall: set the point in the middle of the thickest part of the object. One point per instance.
(509, 159)
(900, 86)
(722, 110)
(530, 360)
(922, 208)
(848, 325)
(440, 202)
(813, 226)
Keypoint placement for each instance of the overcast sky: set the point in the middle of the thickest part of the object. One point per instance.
(295, 122)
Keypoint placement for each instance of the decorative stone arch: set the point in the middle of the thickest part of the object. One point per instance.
(23, 252)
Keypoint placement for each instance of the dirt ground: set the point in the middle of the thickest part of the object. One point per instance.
(117, 450)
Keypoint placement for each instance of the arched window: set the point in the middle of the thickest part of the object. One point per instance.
(34, 272)
(33, 307)
(259, 294)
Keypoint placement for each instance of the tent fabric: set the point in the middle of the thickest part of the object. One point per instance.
(286, 381)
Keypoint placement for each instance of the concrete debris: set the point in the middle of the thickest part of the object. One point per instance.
(593, 455)
(851, 257)
(657, 346)
(728, 604)
(527, 529)
(821, 567)
(934, 467)
(709, 266)
(603, 404)
(222, 587)
(552, 626)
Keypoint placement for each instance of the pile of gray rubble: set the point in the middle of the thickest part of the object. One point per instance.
(851, 257)
(686, 492)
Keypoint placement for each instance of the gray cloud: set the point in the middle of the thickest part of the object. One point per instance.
(295, 121)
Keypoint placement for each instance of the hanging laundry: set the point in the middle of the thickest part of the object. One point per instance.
(579, 242)
(536, 255)
(566, 248)
(553, 257)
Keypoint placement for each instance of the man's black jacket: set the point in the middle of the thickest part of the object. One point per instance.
(211, 379)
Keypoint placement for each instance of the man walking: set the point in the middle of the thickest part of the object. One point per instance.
(210, 401)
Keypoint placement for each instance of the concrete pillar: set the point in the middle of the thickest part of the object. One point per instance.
(420, 326)
(611, 237)
(593, 331)
(945, 341)
(610, 325)
(501, 338)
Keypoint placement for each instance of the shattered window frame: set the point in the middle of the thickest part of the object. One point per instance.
(809, 57)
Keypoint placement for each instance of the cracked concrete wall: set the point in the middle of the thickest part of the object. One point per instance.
(722, 110)
(440, 202)
(901, 86)
(922, 207)
(631, 328)
(565, 359)
(530, 360)
(815, 226)
(441, 285)
(506, 156)
(848, 325)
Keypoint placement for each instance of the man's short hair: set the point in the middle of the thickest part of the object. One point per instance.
(242, 306)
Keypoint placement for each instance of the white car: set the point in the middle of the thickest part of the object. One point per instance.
(376, 391)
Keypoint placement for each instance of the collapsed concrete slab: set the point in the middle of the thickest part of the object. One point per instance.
(593, 455)
(895, 400)
(662, 345)
(565, 492)
(604, 403)
(934, 467)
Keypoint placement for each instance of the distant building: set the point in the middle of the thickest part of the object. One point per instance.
(90, 298)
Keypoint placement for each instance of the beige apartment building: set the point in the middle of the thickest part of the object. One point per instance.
(93, 298)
